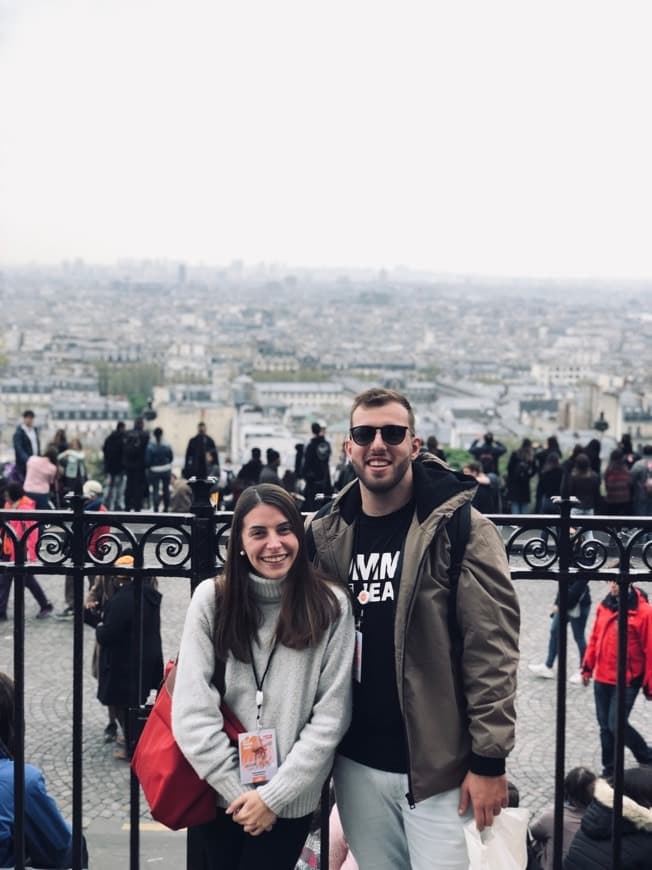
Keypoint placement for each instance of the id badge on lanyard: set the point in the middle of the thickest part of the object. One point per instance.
(257, 752)
(258, 756)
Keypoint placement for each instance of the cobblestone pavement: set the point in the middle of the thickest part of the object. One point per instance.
(48, 705)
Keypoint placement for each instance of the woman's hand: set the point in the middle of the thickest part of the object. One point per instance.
(250, 811)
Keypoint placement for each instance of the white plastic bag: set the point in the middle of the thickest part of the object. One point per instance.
(503, 846)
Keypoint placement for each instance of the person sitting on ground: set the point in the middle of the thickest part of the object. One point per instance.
(601, 662)
(17, 500)
(591, 846)
(578, 794)
(180, 494)
(48, 837)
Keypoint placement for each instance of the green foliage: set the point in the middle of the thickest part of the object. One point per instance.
(457, 457)
(301, 376)
(94, 466)
(133, 380)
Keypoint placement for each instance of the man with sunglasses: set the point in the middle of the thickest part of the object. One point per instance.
(433, 718)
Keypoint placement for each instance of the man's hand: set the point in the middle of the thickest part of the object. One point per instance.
(586, 678)
(250, 811)
(487, 794)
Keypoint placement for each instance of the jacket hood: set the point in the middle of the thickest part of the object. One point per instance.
(597, 819)
(633, 597)
(434, 485)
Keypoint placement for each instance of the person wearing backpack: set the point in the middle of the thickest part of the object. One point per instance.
(74, 468)
(158, 461)
(316, 466)
(488, 452)
(520, 470)
(435, 670)
(135, 446)
(641, 476)
(618, 486)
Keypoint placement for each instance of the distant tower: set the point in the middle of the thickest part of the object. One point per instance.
(181, 274)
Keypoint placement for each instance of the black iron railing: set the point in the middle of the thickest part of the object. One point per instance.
(561, 548)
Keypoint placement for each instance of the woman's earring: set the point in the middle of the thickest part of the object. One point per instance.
(242, 552)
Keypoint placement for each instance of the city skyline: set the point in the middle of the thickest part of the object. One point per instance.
(500, 140)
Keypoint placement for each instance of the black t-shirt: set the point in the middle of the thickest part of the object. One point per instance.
(376, 736)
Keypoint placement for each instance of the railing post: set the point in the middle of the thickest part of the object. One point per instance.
(621, 691)
(19, 706)
(564, 545)
(203, 536)
(203, 561)
(78, 554)
(130, 737)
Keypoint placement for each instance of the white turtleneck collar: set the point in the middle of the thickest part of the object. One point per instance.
(266, 589)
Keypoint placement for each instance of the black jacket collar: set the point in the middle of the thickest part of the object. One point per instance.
(434, 483)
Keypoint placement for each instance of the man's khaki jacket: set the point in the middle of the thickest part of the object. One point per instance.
(458, 708)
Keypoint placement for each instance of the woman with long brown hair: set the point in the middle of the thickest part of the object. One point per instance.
(285, 636)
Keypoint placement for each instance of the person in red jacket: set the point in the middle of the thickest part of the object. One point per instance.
(601, 661)
(17, 500)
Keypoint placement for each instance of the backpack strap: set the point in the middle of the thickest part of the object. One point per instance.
(459, 532)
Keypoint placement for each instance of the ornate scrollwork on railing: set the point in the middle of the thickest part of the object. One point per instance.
(538, 552)
(54, 544)
(587, 552)
(222, 532)
(173, 548)
(106, 541)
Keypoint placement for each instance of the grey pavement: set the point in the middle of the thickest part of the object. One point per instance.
(106, 781)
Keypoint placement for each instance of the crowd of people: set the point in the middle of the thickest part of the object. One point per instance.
(535, 474)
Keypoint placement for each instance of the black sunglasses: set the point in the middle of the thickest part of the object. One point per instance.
(391, 434)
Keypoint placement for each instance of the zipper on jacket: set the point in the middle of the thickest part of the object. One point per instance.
(410, 795)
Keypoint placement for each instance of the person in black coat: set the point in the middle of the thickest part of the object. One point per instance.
(201, 454)
(520, 470)
(591, 845)
(316, 466)
(117, 672)
(114, 467)
(133, 452)
(26, 443)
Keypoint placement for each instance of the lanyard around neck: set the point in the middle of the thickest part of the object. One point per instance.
(259, 682)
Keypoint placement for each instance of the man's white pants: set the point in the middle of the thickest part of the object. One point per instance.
(385, 834)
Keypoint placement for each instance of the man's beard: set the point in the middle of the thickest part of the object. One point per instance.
(378, 487)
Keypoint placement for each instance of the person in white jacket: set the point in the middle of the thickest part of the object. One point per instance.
(285, 634)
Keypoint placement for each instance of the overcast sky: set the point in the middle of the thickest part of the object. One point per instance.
(508, 138)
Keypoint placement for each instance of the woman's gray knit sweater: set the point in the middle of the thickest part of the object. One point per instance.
(307, 699)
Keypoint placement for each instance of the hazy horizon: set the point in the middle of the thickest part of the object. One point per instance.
(503, 140)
